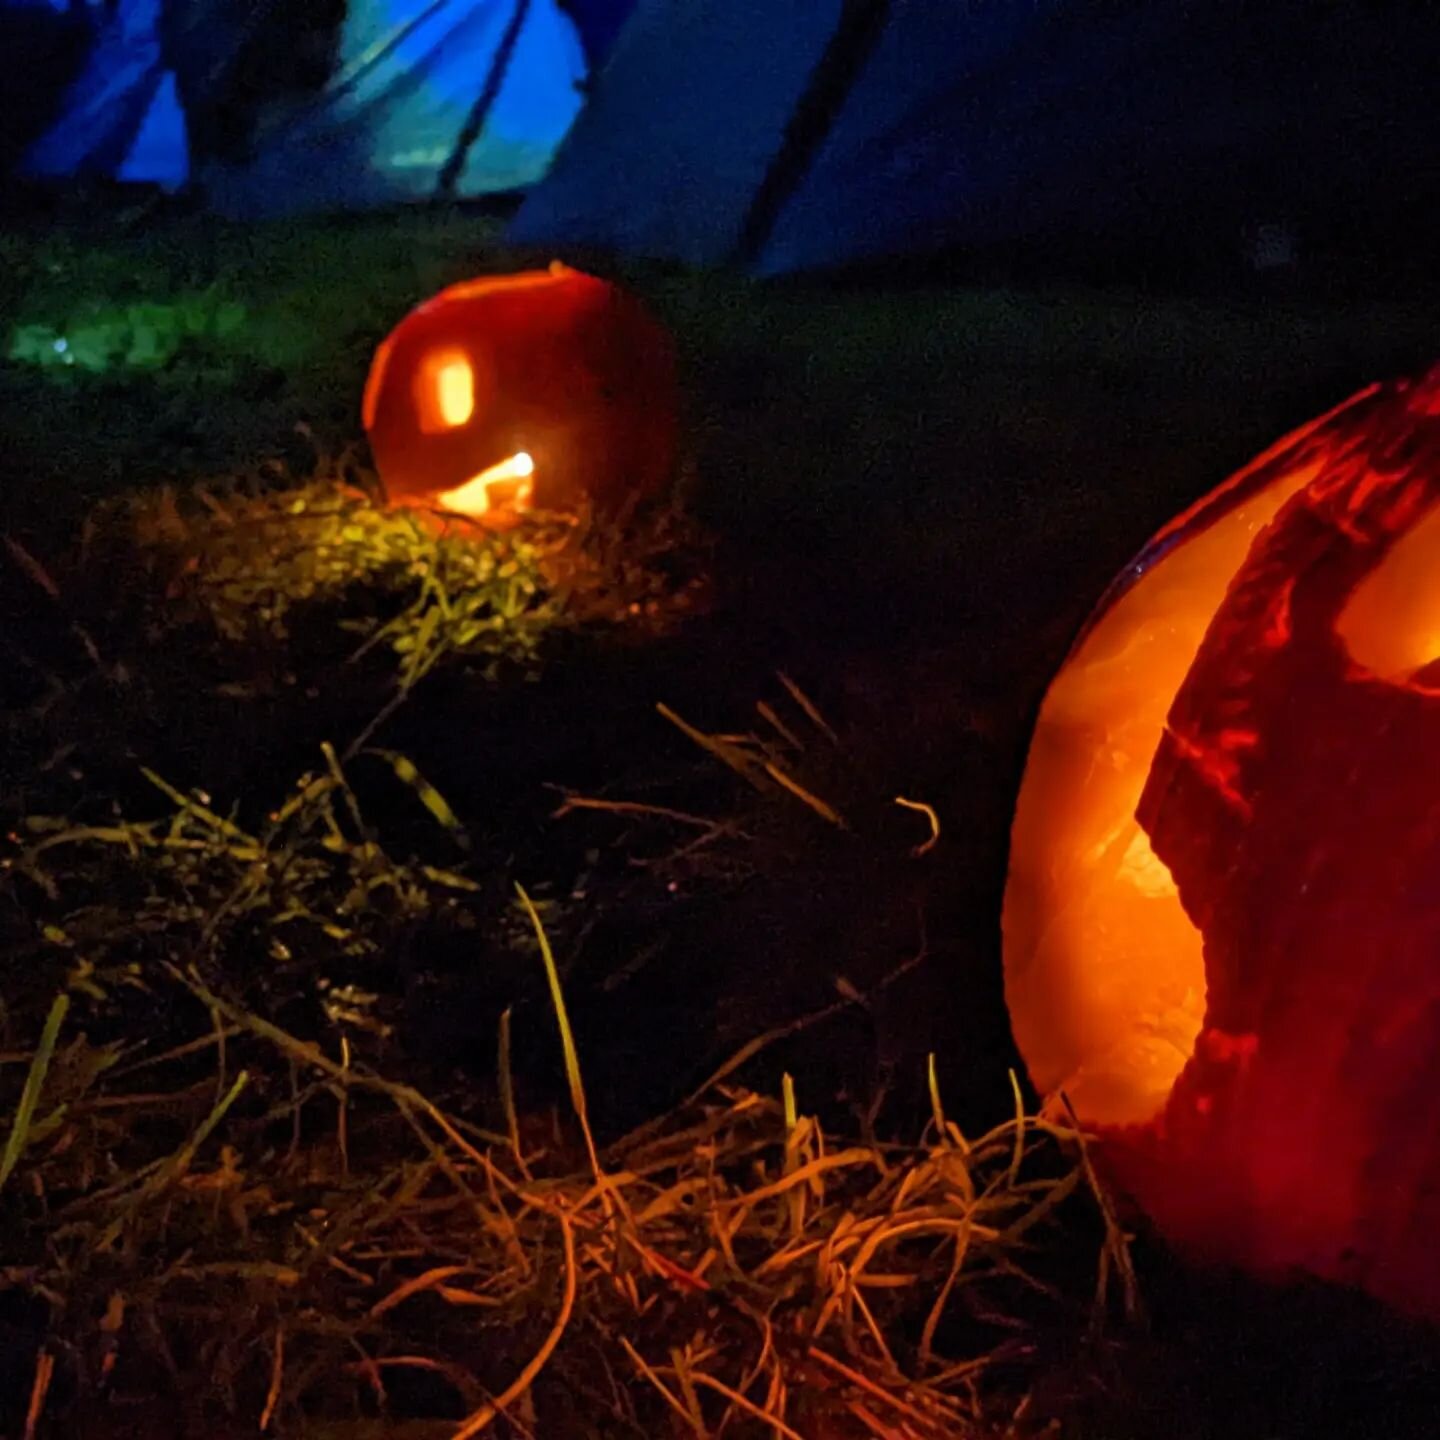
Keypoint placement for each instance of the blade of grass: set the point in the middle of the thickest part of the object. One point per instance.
(730, 755)
(567, 1036)
(1019, 1154)
(507, 1091)
(806, 797)
(191, 806)
(933, 819)
(484, 1417)
(174, 1167)
(648, 1372)
(749, 1406)
(767, 713)
(39, 1389)
(20, 1129)
(406, 770)
(809, 707)
(682, 1368)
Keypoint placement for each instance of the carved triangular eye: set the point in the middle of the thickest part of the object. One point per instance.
(1391, 624)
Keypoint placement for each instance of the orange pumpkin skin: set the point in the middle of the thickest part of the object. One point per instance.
(562, 366)
(1294, 800)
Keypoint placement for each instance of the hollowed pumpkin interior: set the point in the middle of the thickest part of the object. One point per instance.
(1104, 970)
(1391, 624)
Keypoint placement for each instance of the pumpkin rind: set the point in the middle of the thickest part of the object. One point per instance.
(564, 367)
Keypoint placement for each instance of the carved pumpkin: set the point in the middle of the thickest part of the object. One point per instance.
(1222, 921)
(549, 390)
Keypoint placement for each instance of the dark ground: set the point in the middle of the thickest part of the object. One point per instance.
(916, 496)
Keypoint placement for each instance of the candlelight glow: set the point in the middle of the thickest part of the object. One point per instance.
(1105, 971)
(455, 391)
(445, 391)
(1391, 624)
(474, 499)
(1220, 920)
(482, 368)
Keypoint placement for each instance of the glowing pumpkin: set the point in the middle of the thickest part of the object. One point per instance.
(1222, 921)
(548, 389)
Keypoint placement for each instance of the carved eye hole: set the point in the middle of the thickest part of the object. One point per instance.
(444, 391)
(1391, 624)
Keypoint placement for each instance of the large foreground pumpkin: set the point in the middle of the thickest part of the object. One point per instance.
(1222, 922)
(549, 389)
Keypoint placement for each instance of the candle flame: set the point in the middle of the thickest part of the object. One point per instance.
(474, 499)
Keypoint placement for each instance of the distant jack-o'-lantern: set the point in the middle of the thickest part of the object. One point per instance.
(548, 390)
(1222, 920)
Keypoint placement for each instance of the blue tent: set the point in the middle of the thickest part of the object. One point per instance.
(468, 97)
(599, 23)
(120, 116)
(490, 86)
(817, 133)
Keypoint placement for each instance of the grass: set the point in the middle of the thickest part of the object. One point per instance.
(222, 1203)
(253, 566)
(244, 1214)
(295, 1125)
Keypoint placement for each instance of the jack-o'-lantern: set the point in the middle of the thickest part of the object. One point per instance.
(1222, 920)
(548, 390)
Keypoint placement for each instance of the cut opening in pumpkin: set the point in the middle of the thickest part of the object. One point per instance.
(508, 485)
(1256, 702)
(1391, 624)
(444, 391)
(1104, 970)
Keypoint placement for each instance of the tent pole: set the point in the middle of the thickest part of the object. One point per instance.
(484, 103)
(362, 64)
(857, 32)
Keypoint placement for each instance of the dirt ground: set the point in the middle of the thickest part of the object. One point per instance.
(915, 496)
